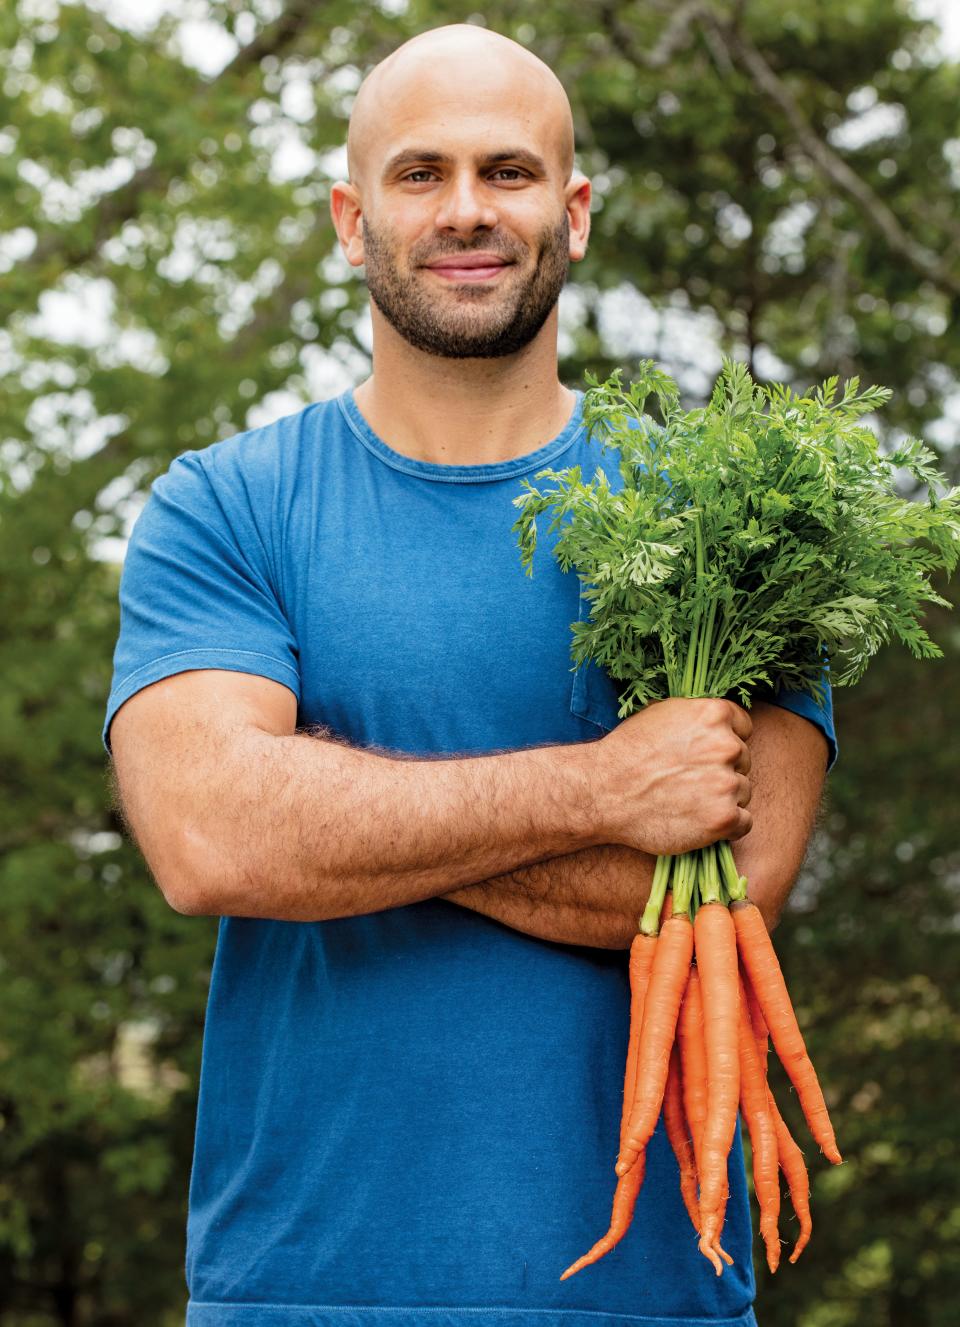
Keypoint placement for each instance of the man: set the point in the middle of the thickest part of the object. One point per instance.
(346, 724)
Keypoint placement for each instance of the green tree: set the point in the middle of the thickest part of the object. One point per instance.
(776, 181)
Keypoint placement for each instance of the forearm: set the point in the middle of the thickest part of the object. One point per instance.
(301, 829)
(789, 760)
(593, 897)
(238, 813)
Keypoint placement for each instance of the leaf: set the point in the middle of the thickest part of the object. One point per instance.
(773, 517)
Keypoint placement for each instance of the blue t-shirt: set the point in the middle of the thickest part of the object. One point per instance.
(410, 1116)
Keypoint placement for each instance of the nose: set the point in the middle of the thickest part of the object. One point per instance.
(465, 206)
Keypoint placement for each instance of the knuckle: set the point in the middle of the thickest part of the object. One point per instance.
(721, 820)
(725, 712)
(710, 711)
(738, 714)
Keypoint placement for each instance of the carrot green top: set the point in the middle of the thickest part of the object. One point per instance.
(750, 538)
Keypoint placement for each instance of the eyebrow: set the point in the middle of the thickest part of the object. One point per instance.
(415, 156)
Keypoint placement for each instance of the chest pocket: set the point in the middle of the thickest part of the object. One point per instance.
(594, 696)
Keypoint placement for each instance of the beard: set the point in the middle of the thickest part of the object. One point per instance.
(476, 322)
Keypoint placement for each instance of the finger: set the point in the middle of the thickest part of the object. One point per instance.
(744, 791)
(740, 720)
(743, 762)
(743, 825)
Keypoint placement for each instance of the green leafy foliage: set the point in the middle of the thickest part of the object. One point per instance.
(751, 537)
(129, 176)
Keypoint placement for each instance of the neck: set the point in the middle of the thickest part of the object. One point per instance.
(464, 411)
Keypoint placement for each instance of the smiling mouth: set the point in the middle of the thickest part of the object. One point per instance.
(471, 274)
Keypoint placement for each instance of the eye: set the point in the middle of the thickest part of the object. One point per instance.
(511, 170)
(412, 173)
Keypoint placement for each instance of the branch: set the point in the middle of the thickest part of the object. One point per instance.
(674, 36)
(833, 167)
(836, 352)
(729, 48)
(270, 39)
(90, 474)
(123, 204)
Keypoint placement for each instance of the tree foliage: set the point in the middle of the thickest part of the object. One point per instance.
(775, 181)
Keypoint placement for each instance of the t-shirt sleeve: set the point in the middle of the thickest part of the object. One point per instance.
(800, 702)
(196, 590)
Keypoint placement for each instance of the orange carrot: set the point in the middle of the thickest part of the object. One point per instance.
(763, 969)
(671, 966)
(754, 1105)
(789, 1156)
(717, 964)
(642, 952)
(760, 1033)
(693, 1072)
(624, 1201)
(693, 1062)
(676, 1126)
(792, 1165)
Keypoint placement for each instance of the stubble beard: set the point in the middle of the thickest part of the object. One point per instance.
(478, 322)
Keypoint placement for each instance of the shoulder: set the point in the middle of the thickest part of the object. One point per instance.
(252, 463)
(265, 448)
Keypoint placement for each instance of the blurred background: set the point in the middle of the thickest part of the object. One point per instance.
(778, 181)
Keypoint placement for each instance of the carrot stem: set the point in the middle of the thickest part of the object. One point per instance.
(650, 921)
(709, 876)
(734, 881)
(700, 680)
(684, 883)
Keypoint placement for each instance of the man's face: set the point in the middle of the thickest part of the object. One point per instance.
(477, 312)
(465, 228)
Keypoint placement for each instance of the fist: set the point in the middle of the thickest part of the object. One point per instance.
(674, 777)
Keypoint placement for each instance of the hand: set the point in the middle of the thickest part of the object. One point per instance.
(673, 777)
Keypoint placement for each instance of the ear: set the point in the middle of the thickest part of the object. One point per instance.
(347, 215)
(577, 195)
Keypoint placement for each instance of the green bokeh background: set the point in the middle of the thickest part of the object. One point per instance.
(778, 181)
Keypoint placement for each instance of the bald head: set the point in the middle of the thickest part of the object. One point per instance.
(446, 77)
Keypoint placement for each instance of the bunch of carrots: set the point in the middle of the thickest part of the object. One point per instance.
(751, 540)
(706, 993)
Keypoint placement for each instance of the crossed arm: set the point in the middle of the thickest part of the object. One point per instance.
(594, 897)
(240, 814)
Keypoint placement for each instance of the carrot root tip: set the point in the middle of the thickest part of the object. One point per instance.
(709, 1252)
(772, 1246)
(799, 1247)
